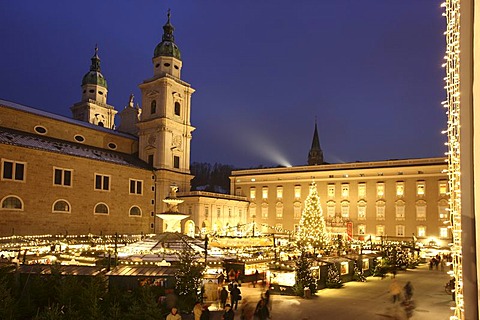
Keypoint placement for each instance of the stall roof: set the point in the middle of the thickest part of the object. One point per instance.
(62, 269)
(146, 271)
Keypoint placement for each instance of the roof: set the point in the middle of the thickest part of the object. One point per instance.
(62, 269)
(31, 141)
(144, 271)
(17, 106)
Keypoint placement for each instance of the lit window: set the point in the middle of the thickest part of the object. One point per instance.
(345, 210)
(380, 230)
(264, 212)
(421, 231)
(345, 190)
(62, 177)
(400, 230)
(135, 211)
(253, 211)
(331, 190)
(102, 182)
(400, 211)
(331, 211)
(380, 189)
(265, 193)
(362, 190)
(443, 232)
(279, 211)
(442, 187)
(12, 203)
(298, 192)
(344, 267)
(421, 212)
(400, 188)
(380, 212)
(252, 193)
(361, 229)
(362, 212)
(442, 212)
(420, 188)
(136, 186)
(297, 210)
(101, 208)
(279, 192)
(61, 206)
(13, 170)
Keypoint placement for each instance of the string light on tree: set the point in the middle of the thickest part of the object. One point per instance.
(313, 231)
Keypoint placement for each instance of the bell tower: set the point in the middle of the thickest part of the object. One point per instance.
(93, 107)
(315, 155)
(164, 127)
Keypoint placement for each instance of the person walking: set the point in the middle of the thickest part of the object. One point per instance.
(228, 314)
(261, 311)
(235, 296)
(395, 290)
(197, 311)
(205, 313)
(255, 278)
(223, 297)
(408, 291)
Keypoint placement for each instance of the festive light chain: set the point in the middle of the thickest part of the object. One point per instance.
(452, 104)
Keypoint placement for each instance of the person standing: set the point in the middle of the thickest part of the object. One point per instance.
(173, 315)
(395, 290)
(255, 278)
(223, 297)
(197, 311)
(235, 296)
(261, 311)
(229, 314)
(205, 313)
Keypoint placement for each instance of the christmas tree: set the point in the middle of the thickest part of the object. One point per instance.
(312, 233)
(333, 277)
(188, 280)
(303, 276)
(358, 273)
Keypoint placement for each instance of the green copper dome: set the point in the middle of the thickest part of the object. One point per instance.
(95, 76)
(167, 47)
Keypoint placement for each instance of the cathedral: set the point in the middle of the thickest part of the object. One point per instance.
(85, 175)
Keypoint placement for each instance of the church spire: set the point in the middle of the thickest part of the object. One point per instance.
(315, 155)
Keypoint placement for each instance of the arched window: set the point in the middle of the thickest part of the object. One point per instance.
(101, 208)
(177, 108)
(61, 206)
(12, 203)
(135, 211)
(153, 107)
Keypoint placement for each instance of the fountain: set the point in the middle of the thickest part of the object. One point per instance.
(172, 216)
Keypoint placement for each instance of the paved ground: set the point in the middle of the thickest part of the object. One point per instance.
(363, 300)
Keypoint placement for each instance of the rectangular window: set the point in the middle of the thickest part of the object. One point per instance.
(330, 211)
(345, 190)
(380, 230)
(13, 170)
(345, 211)
(150, 159)
(331, 191)
(361, 229)
(380, 189)
(443, 232)
(400, 212)
(421, 213)
(265, 193)
(362, 190)
(400, 230)
(240, 213)
(296, 228)
(229, 212)
(400, 189)
(297, 212)
(279, 192)
(264, 212)
(206, 212)
(136, 186)
(380, 212)
(442, 212)
(421, 231)
(176, 162)
(252, 193)
(102, 182)
(279, 211)
(62, 177)
(219, 212)
(420, 188)
(362, 213)
(442, 187)
(298, 192)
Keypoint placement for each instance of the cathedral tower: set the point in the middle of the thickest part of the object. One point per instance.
(93, 107)
(315, 155)
(164, 127)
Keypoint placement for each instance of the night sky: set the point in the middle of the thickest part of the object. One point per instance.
(368, 71)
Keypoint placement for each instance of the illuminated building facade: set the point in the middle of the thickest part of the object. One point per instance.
(82, 175)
